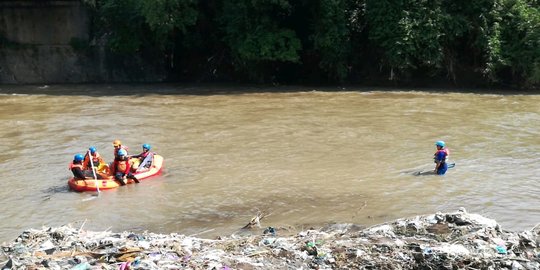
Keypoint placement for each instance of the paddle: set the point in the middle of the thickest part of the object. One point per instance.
(93, 171)
(144, 162)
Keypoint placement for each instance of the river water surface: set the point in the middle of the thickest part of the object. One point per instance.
(306, 157)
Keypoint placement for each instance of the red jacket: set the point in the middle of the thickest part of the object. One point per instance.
(121, 165)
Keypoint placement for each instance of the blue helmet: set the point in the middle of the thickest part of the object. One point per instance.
(146, 146)
(78, 157)
(92, 150)
(122, 152)
(440, 143)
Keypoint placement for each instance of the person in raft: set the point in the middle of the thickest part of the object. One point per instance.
(76, 167)
(440, 158)
(137, 159)
(121, 168)
(97, 160)
(117, 144)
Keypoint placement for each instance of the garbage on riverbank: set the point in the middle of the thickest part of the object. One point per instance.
(457, 240)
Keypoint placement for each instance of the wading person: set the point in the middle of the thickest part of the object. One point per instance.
(440, 158)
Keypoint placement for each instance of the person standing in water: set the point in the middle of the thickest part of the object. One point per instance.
(440, 158)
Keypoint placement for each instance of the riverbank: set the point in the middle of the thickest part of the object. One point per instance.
(202, 89)
(457, 240)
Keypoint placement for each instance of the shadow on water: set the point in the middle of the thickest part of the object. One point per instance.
(424, 173)
(431, 172)
(143, 89)
(60, 188)
(50, 191)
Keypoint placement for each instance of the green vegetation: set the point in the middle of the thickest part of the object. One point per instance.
(79, 44)
(460, 42)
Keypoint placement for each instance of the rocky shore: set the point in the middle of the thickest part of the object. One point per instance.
(457, 240)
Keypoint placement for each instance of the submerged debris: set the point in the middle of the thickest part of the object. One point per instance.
(256, 220)
(456, 240)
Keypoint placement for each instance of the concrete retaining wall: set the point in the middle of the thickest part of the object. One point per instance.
(43, 22)
(36, 39)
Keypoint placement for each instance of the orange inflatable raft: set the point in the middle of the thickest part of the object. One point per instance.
(90, 184)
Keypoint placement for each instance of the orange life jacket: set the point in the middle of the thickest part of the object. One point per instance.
(121, 166)
(72, 165)
(96, 159)
(79, 174)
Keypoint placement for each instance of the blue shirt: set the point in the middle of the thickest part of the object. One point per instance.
(440, 156)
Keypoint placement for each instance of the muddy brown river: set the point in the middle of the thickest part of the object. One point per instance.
(307, 157)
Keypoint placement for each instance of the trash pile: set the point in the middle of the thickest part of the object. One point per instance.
(457, 240)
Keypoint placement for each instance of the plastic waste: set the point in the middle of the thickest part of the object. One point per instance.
(270, 230)
(268, 241)
(125, 266)
(423, 242)
(501, 250)
(311, 248)
(8, 265)
(136, 262)
(82, 266)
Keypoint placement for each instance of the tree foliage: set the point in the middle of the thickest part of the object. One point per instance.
(331, 37)
(491, 41)
(132, 24)
(409, 33)
(122, 25)
(519, 40)
(254, 30)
